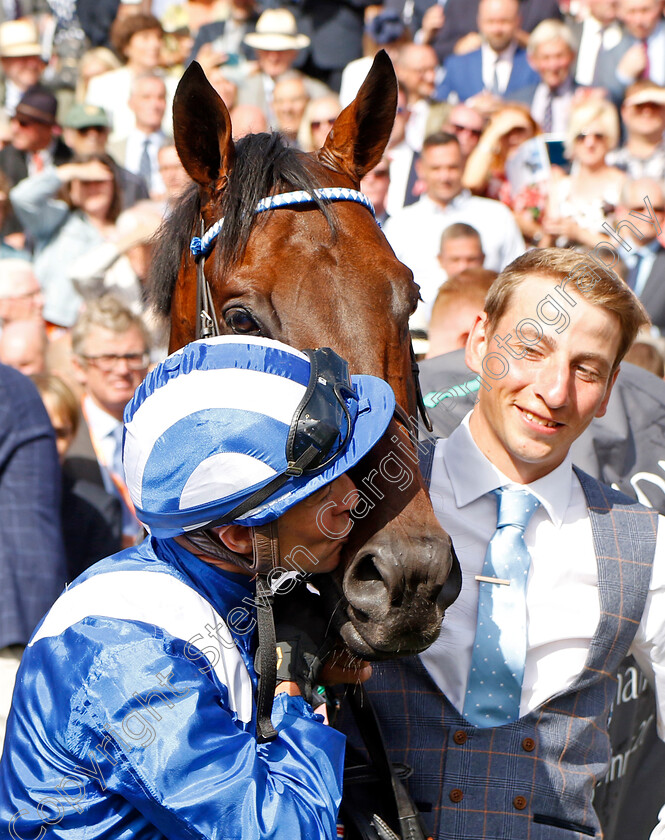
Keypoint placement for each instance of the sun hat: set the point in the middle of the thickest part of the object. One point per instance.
(276, 29)
(19, 38)
(86, 116)
(643, 91)
(223, 421)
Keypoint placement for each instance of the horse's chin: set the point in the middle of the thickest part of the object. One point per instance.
(373, 643)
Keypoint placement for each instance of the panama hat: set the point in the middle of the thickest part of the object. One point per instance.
(19, 38)
(276, 30)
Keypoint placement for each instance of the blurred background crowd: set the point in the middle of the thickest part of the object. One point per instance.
(520, 124)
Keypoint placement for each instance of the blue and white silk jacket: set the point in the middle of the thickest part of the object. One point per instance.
(134, 716)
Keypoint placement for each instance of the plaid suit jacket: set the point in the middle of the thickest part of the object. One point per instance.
(533, 778)
(32, 561)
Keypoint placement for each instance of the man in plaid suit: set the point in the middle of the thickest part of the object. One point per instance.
(32, 558)
(547, 351)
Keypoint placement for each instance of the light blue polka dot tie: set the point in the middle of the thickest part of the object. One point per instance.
(497, 664)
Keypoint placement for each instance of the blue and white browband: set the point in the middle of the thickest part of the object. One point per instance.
(202, 245)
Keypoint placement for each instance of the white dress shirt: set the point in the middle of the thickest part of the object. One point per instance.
(415, 232)
(503, 62)
(594, 36)
(102, 427)
(401, 161)
(562, 100)
(134, 152)
(563, 607)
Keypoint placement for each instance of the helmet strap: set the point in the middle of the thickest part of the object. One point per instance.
(266, 557)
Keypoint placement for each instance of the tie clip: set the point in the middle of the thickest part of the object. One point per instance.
(485, 579)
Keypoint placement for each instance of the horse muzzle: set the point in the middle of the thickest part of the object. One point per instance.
(394, 602)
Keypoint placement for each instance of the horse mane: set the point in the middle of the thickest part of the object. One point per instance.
(263, 165)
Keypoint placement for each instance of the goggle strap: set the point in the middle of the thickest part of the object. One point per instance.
(296, 468)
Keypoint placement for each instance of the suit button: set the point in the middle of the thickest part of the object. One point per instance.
(520, 803)
(528, 744)
(456, 795)
(460, 737)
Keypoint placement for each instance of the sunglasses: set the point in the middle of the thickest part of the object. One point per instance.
(97, 129)
(25, 123)
(63, 432)
(475, 131)
(316, 124)
(645, 210)
(580, 138)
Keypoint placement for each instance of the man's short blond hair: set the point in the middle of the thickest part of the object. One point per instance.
(550, 30)
(110, 314)
(12, 271)
(575, 273)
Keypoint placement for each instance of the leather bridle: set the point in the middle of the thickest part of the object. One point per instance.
(265, 543)
(207, 323)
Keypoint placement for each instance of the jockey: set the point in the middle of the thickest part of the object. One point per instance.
(135, 708)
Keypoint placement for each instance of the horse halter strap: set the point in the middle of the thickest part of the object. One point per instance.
(207, 324)
(202, 245)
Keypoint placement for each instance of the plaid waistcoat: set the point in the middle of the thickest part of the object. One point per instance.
(533, 778)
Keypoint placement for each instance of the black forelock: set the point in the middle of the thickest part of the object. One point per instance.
(263, 165)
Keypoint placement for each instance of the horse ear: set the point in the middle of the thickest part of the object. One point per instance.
(360, 134)
(202, 129)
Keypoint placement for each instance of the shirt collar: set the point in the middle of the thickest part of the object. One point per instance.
(101, 422)
(647, 250)
(473, 475)
(565, 87)
(506, 55)
(432, 206)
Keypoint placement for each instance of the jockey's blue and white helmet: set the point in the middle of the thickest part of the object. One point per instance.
(222, 421)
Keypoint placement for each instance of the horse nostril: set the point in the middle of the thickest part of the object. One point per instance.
(366, 570)
(367, 588)
(451, 588)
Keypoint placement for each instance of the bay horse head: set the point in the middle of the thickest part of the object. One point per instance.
(317, 274)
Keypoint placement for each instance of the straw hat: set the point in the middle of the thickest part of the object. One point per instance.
(276, 30)
(19, 38)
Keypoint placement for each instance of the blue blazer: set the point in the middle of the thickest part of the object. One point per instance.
(464, 76)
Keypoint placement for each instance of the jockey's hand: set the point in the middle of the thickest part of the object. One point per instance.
(304, 639)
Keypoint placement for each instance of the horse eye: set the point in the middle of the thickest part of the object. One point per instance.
(241, 322)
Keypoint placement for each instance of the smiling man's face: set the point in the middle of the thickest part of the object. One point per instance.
(529, 419)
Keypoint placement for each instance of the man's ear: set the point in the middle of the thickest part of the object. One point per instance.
(237, 538)
(602, 408)
(476, 345)
(80, 370)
